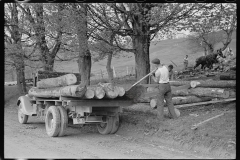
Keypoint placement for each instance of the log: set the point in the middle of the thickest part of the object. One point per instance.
(65, 80)
(227, 77)
(209, 92)
(213, 84)
(183, 100)
(111, 91)
(89, 94)
(99, 92)
(121, 91)
(203, 103)
(179, 83)
(50, 74)
(136, 94)
(71, 91)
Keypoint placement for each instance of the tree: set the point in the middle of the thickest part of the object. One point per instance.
(207, 24)
(141, 22)
(79, 13)
(13, 45)
(35, 16)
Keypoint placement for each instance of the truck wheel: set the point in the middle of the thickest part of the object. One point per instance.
(64, 121)
(105, 128)
(115, 124)
(53, 121)
(22, 118)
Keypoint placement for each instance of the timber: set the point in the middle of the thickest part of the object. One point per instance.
(121, 91)
(213, 84)
(203, 103)
(71, 91)
(182, 100)
(111, 91)
(228, 76)
(99, 92)
(89, 94)
(172, 83)
(51, 74)
(65, 80)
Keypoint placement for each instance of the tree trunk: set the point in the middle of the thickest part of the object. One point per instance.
(71, 91)
(183, 100)
(111, 91)
(18, 58)
(84, 61)
(141, 45)
(202, 92)
(214, 84)
(66, 80)
(109, 69)
(50, 74)
(228, 76)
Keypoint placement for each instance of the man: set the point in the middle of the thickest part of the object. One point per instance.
(162, 77)
(170, 70)
(185, 62)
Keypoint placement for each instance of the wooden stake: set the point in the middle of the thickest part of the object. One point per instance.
(195, 126)
(201, 103)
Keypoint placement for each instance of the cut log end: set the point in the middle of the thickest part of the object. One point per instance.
(153, 103)
(99, 93)
(89, 94)
(226, 94)
(194, 84)
(121, 91)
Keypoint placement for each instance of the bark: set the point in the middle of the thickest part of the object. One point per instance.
(228, 76)
(84, 61)
(18, 58)
(203, 92)
(142, 63)
(65, 80)
(141, 40)
(49, 74)
(182, 100)
(47, 56)
(71, 91)
(214, 84)
(108, 67)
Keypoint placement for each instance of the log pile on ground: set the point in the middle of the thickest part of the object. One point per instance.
(65, 85)
(191, 92)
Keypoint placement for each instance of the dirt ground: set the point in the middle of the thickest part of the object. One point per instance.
(140, 135)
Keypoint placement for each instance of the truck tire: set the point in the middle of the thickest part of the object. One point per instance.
(22, 118)
(105, 128)
(64, 121)
(115, 124)
(53, 121)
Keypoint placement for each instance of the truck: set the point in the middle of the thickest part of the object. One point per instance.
(59, 112)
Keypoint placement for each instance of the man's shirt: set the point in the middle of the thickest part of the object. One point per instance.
(163, 73)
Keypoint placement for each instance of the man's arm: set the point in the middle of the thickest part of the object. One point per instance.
(156, 77)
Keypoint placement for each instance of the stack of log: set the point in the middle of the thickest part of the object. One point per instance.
(65, 85)
(187, 92)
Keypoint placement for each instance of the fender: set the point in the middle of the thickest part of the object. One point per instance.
(27, 107)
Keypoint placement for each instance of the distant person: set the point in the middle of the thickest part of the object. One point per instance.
(161, 76)
(170, 70)
(185, 62)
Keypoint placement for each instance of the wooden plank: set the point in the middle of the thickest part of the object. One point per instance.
(201, 103)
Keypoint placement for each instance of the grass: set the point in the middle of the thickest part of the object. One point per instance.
(166, 50)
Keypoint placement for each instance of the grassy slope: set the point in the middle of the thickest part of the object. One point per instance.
(166, 50)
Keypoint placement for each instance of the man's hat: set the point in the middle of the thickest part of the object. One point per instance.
(156, 61)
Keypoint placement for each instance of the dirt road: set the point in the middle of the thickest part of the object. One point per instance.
(31, 141)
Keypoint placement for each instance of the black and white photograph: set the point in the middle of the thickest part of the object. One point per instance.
(119, 80)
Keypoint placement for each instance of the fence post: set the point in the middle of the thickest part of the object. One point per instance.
(114, 73)
(102, 74)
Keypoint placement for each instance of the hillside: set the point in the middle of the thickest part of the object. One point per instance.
(166, 50)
